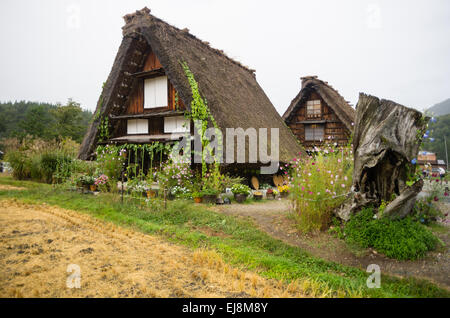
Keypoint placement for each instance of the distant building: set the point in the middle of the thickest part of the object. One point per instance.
(319, 114)
(430, 158)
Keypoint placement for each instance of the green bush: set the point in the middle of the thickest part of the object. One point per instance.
(241, 189)
(400, 239)
(39, 161)
(49, 164)
(20, 164)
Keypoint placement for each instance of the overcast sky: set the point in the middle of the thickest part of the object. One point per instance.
(400, 50)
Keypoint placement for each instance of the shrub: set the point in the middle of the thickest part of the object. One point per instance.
(318, 185)
(425, 211)
(400, 239)
(111, 161)
(50, 162)
(175, 174)
(240, 189)
(41, 160)
(20, 164)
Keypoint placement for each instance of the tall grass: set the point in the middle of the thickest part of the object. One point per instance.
(39, 160)
(319, 184)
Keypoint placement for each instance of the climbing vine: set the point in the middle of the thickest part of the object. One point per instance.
(104, 129)
(200, 112)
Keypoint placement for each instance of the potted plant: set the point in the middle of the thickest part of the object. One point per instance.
(138, 186)
(240, 191)
(257, 195)
(152, 186)
(88, 182)
(284, 190)
(270, 194)
(210, 195)
(101, 182)
(198, 196)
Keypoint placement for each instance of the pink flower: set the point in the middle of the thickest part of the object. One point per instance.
(303, 188)
(343, 185)
(331, 182)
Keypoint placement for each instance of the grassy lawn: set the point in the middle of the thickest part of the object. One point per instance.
(239, 242)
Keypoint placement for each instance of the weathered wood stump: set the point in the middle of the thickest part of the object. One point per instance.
(387, 138)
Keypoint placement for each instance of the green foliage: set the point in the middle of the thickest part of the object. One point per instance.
(104, 129)
(438, 130)
(382, 207)
(49, 163)
(241, 189)
(400, 239)
(40, 160)
(111, 161)
(425, 211)
(21, 165)
(201, 113)
(319, 184)
(43, 120)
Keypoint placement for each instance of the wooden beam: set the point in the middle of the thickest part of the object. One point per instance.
(166, 113)
(149, 74)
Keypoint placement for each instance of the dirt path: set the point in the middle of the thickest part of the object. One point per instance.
(38, 242)
(272, 217)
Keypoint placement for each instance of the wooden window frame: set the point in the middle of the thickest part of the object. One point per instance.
(315, 112)
(159, 108)
(137, 134)
(315, 127)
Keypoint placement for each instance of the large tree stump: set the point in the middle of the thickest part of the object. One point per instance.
(386, 139)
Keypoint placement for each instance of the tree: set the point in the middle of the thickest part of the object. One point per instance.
(435, 142)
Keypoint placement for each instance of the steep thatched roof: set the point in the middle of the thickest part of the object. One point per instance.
(231, 90)
(340, 106)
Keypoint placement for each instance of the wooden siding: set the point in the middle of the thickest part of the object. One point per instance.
(135, 104)
(334, 128)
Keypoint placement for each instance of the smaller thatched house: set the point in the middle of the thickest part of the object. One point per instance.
(319, 114)
(147, 92)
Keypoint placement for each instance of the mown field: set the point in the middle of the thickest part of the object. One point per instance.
(209, 254)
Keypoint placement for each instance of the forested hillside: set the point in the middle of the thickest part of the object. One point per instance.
(43, 120)
(438, 130)
(440, 109)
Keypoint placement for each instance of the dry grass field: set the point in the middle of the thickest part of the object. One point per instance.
(38, 242)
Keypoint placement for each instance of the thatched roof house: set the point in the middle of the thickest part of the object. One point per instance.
(149, 61)
(319, 114)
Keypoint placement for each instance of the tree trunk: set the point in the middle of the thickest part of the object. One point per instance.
(386, 139)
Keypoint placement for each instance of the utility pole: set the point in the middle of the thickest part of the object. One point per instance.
(446, 153)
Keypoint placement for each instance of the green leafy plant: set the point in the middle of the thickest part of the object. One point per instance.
(400, 239)
(241, 189)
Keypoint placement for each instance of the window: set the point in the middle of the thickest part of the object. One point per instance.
(137, 126)
(314, 132)
(155, 92)
(177, 124)
(313, 108)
